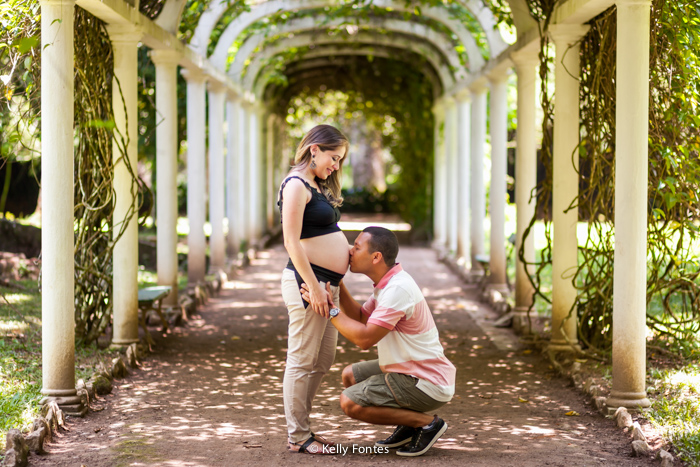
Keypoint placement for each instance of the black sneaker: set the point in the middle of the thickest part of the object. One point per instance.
(402, 435)
(424, 438)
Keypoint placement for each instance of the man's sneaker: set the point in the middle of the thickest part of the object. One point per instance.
(424, 438)
(402, 435)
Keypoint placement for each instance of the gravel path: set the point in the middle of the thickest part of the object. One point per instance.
(211, 393)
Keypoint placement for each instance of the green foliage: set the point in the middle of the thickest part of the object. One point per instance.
(399, 111)
(19, 79)
(20, 356)
(675, 409)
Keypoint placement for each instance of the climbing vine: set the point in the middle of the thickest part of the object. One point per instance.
(673, 289)
(398, 113)
(20, 60)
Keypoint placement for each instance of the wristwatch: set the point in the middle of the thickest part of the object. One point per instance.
(333, 312)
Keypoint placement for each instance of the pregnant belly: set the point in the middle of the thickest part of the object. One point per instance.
(328, 251)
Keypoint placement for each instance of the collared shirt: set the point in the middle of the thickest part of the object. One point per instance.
(413, 345)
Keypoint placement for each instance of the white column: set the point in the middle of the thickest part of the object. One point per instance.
(478, 192)
(255, 171)
(565, 184)
(231, 170)
(57, 286)
(526, 64)
(243, 173)
(452, 179)
(439, 193)
(196, 175)
(464, 169)
(166, 178)
(271, 187)
(497, 201)
(125, 256)
(217, 242)
(631, 174)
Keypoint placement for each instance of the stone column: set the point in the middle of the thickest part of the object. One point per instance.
(499, 168)
(165, 62)
(232, 238)
(452, 179)
(271, 186)
(57, 286)
(439, 194)
(565, 184)
(217, 242)
(255, 170)
(196, 175)
(243, 173)
(125, 257)
(526, 63)
(478, 192)
(631, 169)
(464, 148)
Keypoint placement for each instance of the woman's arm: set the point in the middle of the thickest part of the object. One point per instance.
(295, 196)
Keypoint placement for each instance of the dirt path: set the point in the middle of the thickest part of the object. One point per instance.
(211, 393)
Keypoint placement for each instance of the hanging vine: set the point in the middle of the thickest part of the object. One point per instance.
(94, 176)
(673, 265)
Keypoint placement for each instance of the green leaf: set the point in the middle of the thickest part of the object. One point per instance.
(25, 44)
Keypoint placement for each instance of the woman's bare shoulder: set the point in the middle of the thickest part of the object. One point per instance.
(294, 185)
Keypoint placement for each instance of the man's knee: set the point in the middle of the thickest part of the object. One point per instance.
(348, 377)
(350, 408)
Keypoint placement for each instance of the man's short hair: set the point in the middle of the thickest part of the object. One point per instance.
(384, 241)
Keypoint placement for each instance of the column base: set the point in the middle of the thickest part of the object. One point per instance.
(69, 405)
(116, 344)
(520, 322)
(563, 346)
(634, 402)
(503, 289)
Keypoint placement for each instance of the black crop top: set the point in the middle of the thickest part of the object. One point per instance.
(320, 217)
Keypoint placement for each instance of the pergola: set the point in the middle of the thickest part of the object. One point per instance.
(243, 132)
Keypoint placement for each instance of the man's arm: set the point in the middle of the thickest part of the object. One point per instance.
(350, 306)
(362, 334)
(351, 322)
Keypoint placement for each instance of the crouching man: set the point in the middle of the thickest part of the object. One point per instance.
(412, 375)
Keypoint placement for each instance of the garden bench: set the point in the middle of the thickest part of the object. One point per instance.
(151, 298)
(485, 262)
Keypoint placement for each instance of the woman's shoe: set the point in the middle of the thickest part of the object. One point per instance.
(311, 446)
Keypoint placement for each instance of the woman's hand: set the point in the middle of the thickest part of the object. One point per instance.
(326, 295)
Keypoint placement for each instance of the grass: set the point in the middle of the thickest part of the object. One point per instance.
(675, 409)
(20, 353)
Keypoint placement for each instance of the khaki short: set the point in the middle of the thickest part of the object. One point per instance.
(377, 389)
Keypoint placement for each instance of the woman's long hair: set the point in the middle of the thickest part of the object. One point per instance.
(327, 138)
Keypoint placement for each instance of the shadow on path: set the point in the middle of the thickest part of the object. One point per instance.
(211, 393)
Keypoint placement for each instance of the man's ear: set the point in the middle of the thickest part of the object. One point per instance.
(377, 257)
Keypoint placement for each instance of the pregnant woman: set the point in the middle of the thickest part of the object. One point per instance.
(318, 254)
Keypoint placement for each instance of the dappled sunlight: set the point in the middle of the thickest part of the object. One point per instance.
(215, 386)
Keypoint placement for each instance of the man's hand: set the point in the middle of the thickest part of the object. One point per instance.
(306, 295)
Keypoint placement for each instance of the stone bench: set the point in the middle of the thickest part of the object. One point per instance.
(151, 298)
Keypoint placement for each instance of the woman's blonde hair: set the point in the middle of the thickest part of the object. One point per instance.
(327, 138)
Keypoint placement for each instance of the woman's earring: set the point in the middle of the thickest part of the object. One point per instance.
(313, 162)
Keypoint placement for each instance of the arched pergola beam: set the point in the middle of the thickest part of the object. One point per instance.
(489, 24)
(343, 57)
(522, 19)
(301, 25)
(422, 49)
(170, 16)
(211, 16)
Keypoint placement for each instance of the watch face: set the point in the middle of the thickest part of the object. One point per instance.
(334, 312)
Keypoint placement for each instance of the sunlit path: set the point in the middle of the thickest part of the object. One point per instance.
(211, 394)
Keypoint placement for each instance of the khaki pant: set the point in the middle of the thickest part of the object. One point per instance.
(310, 354)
